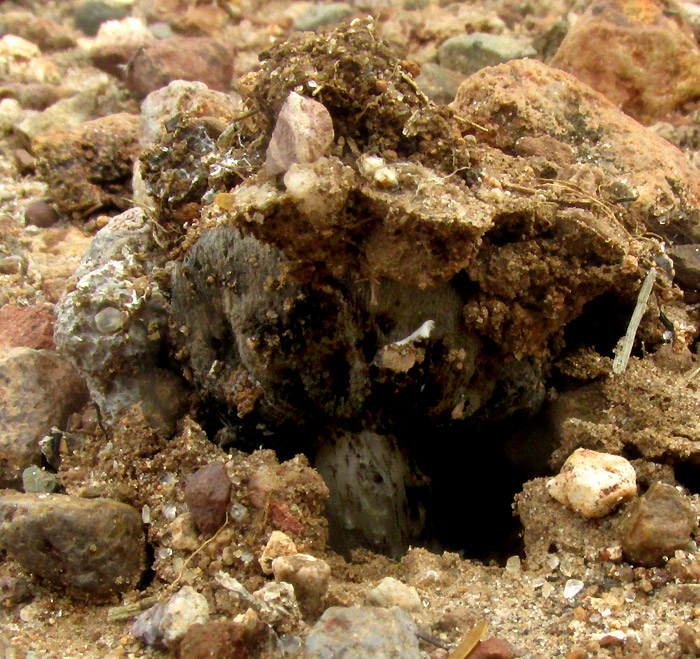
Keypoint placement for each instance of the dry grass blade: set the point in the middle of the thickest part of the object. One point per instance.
(470, 641)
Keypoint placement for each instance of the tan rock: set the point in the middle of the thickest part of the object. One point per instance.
(279, 544)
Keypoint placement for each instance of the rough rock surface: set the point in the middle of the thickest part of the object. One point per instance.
(38, 390)
(660, 523)
(363, 632)
(93, 547)
(90, 164)
(207, 495)
(641, 55)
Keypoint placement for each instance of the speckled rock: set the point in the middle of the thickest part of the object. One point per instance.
(207, 495)
(392, 592)
(27, 327)
(88, 168)
(279, 544)
(185, 608)
(120, 273)
(643, 58)
(38, 390)
(309, 576)
(660, 522)
(593, 483)
(180, 58)
(467, 53)
(363, 633)
(607, 150)
(91, 547)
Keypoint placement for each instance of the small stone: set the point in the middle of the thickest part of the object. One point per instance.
(180, 58)
(13, 591)
(25, 163)
(363, 632)
(280, 596)
(686, 263)
(308, 575)
(11, 114)
(41, 214)
(184, 609)
(279, 544)
(392, 592)
(11, 265)
(439, 83)
(572, 588)
(38, 480)
(207, 495)
(109, 320)
(492, 648)
(90, 15)
(93, 547)
(467, 53)
(323, 15)
(39, 30)
(183, 533)
(302, 134)
(592, 483)
(222, 639)
(38, 390)
(660, 522)
(146, 628)
(513, 566)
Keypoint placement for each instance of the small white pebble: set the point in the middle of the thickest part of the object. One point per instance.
(572, 588)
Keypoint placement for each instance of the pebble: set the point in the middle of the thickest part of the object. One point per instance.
(365, 632)
(302, 134)
(323, 15)
(279, 544)
(39, 30)
(109, 320)
(184, 609)
(13, 591)
(207, 495)
(39, 481)
(572, 587)
(308, 575)
(25, 162)
(689, 639)
(439, 83)
(183, 533)
(661, 521)
(392, 592)
(90, 15)
(41, 214)
(38, 390)
(93, 547)
(11, 265)
(492, 648)
(11, 114)
(180, 58)
(686, 264)
(593, 483)
(467, 53)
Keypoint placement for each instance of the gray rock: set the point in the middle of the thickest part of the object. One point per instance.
(439, 83)
(467, 53)
(38, 390)
(93, 547)
(90, 15)
(38, 481)
(363, 632)
(661, 521)
(119, 360)
(686, 263)
(392, 592)
(318, 16)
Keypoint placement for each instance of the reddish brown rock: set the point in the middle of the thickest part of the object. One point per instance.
(207, 495)
(27, 327)
(213, 640)
(180, 58)
(88, 167)
(660, 522)
(639, 53)
(38, 390)
(35, 95)
(41, 214)
(39, 30)
(493, 648)
(528, 107)
(93, 547)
